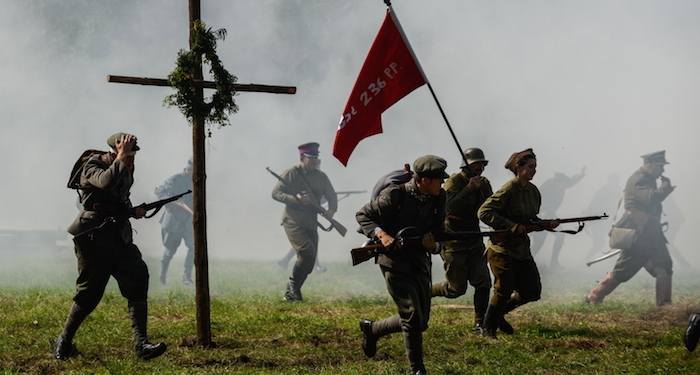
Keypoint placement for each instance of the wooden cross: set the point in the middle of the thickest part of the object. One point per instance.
(199, 218)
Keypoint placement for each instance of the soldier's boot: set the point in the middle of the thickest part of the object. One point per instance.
(692, 333)
(510, 305)
(293, 292)
(491, 321)
(189, 265)
(664, 285)
(605, 287)
(63, 346)
(481, 303)
(413, 341)
(372, 331)
(164, 264)
(138, 312)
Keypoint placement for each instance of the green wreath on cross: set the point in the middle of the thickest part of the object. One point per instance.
(203, 50)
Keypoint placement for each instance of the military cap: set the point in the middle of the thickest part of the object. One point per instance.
(309, 149)
(658, 157)
(112, 141)
(473, 155)
(514, 159)
(430, 166)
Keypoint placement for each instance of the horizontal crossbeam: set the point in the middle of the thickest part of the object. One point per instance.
(250, 87)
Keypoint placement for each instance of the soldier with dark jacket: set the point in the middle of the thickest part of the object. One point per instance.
(307, 183)
(464, 260)
(109, 251)
(643, 213)
(176, 222)
(516, 277)
(419, 203)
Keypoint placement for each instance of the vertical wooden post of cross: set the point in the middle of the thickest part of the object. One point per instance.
(199, 219)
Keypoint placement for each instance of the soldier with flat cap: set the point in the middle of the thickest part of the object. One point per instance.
(642, 201)
(106, 180)
(419, 203)
(464, 260)
(176, 222)
(307, 183)
(516, 279)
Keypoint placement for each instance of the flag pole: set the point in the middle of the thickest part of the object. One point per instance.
(427, 82)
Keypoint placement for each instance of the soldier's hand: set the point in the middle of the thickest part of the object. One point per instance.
(124, 145)
(428, 241)
(388, 241)
(139, 212)
(474, 183)
(329, 214)
(304, 198)
(518, 229)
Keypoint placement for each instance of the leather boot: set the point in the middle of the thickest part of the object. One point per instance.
(369, 341)
(606, 286)
(187, 279)
(491, 321)
(663, 290)
(138, 312)
(481, 303)
(64, 349)
(413, 341)
(503, 325)
(63, 346)
(164, 264)
(292, 293)
(692, 333)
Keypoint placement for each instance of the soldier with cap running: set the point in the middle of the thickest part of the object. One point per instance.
(464, 260)
(299, 216)
(419, 203)
(643, 211)
(105, 181)
(176, 222)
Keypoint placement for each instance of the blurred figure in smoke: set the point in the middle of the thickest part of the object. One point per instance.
(604, 200)
(553, 191)
(516, 277)
(176, 222)
(464, 260)
(642, 200)
(675, 216)
(299, 216)
(419, 203)
(106, 181)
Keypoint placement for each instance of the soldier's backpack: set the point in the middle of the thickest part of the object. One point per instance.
(398, 177)
(74, 180)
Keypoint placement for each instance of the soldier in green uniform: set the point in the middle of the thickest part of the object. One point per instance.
(516, 277)
(643, 213)
(419, 203)
(299, 216)
(464, 260)
(106, 180)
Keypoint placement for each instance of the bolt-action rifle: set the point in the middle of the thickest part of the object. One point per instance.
(334, 224)
(157, 205)
(540, 225)
(361, 254)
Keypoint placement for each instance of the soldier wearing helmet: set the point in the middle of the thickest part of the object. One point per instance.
(464, 260)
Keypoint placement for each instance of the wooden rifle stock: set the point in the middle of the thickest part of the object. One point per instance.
(540, 225)
(334, 224)
(365, 253)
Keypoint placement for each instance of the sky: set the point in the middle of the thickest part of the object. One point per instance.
(592, 84)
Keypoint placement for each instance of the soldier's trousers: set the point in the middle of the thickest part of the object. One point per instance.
(513, 275)
(171, 241)
(305, 243)
(462, 267)
(97, 263)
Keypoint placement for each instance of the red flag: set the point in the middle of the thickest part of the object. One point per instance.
(389, 73)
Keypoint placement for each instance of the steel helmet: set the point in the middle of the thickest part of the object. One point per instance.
(473, 155)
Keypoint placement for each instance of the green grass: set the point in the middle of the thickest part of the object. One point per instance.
(257, 333)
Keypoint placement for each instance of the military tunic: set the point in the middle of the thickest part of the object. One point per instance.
(511, 262)
(108, 251)
(643, 212)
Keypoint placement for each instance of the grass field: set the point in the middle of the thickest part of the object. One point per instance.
(257, 333)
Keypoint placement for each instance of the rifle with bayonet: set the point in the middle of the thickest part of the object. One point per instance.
(334, 224)
(540, 225)
(157, 205)
(364, 253)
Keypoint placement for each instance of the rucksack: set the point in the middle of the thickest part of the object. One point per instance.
(398, 177)
(74, 180)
